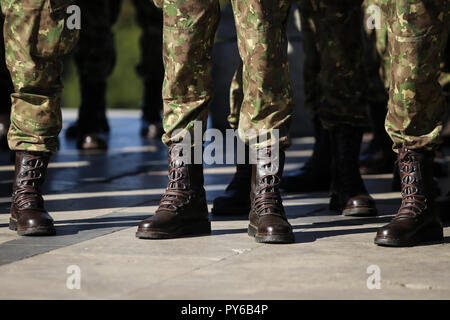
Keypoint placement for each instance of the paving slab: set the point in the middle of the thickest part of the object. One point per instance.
(98, 200)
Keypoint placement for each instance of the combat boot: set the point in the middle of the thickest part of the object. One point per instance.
(182, 209)
(315, 175)
(28, 214)
(236, 200)
(348, 192)
(268, 222)
(417, 220)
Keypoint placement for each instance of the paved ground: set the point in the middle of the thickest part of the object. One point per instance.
(98, 199)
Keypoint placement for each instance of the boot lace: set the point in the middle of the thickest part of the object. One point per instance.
(27, 194)
(413, 203)
(176, 194)
(268, 200)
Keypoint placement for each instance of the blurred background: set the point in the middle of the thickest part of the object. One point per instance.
(125, 88)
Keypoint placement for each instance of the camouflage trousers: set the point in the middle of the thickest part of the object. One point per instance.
(36, 37)
(417, 35)
(188, 37)
(333, 71)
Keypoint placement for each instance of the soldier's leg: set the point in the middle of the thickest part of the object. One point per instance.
(6, 89)
(418, 32)
(151, 67)
(36, 37)
(315, 175)
(236, 97)
(95, 58)
(378, 156)
(235, 201)
(188, 37)
(266, 108)
(343, 105)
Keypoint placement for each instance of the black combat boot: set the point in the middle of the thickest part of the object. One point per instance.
(236, 200)
(91, 128)
(417, 220)
(183, 209)
(378, 158)
(315, 175)
(348, 192)
(268, 222)
(28, 214)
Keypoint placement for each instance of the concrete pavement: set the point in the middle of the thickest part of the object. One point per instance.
(97, 201)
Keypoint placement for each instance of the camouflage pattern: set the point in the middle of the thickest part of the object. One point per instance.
(377, 70)
(417, 35)
(36, 37)
(188, 37)
(337, 94)
(335, 83)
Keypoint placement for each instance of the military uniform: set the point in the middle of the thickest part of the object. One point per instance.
(36, 70)
(418, 32)
(36, 37)
(95, 58)
(267, 103)
(189, 30)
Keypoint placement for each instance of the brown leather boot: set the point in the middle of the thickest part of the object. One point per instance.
(416, 220)
(268, 222)
(183, 208)
(348, 192)
(28, 215)
(236, 201)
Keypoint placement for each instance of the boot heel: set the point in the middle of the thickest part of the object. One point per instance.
(252, 231)
(334, 203)
(12, 225)
(432, 233)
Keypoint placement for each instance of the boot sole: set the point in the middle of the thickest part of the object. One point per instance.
(195, 228)
(32, 232)
(272, 238)
(429, 234)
